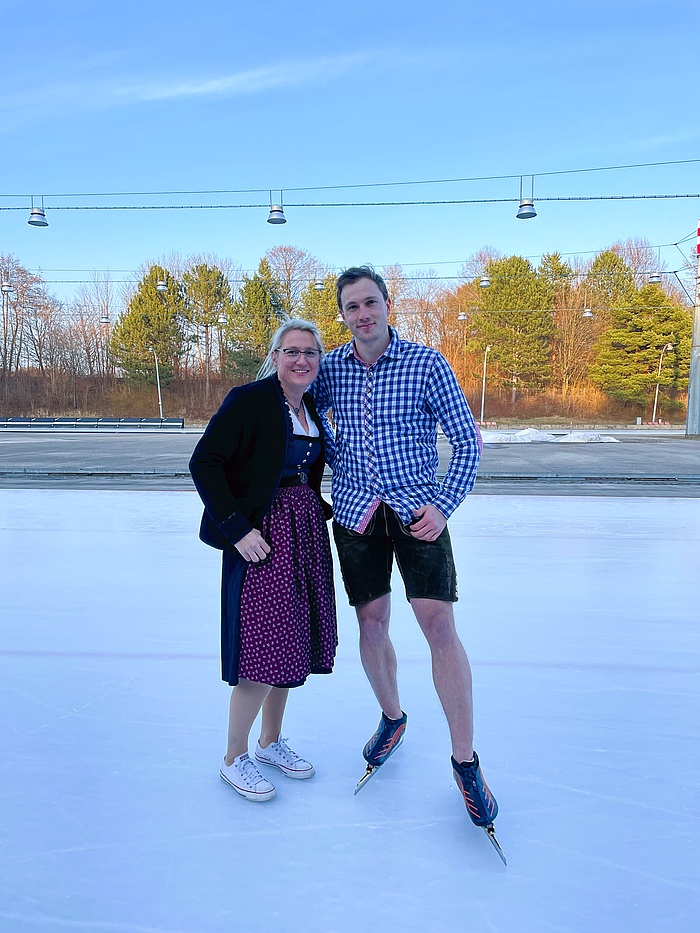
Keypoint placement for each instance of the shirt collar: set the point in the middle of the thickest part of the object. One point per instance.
(394, 348)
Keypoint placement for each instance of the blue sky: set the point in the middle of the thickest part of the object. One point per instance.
(148, 97)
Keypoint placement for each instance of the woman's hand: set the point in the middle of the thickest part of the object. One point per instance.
(253, 547)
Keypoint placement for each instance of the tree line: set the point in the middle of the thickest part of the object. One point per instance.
(573, 339)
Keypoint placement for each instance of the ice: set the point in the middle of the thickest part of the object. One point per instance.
(580, 616)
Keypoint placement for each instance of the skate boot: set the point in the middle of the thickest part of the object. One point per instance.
(481, 804)
(385, 741)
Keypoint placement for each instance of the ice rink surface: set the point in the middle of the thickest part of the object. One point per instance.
(581, 619)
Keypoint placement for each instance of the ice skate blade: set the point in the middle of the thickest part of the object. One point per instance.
(489, 830)
(369, 773)
(372, 769)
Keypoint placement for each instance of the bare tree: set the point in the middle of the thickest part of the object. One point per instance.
(640, 256)
(396, 286)
(475, 266)
(21, 293)
(421, 310)
(293, 269)
(89, 319)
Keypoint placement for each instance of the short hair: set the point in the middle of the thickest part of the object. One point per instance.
(354, 274)
(267, 368)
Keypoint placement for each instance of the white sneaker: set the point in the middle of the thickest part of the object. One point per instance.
(245, 778)
(279, 755)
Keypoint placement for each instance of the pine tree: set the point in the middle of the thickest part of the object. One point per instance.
(152, 322)
(255, 317)
(207, 308)
(609, 279)
(514, 320)
(644, 322)
(320, 306)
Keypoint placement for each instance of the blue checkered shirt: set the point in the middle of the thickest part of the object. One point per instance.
(384, 446)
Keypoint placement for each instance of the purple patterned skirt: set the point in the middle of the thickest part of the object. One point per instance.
(286, 621)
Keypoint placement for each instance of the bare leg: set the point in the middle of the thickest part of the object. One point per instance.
(452, 675)
(377, 653)
(246, 699)
(272, 715)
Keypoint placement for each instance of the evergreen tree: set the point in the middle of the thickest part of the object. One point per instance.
(643, 322)
(255, 317)
(512, 318)
(152, 321)
(609, 280)
(207, 307)
(321, 308)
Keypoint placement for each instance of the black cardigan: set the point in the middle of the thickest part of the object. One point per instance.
(237, 464)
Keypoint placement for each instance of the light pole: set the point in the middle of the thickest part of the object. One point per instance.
(669, 346)
(160, 400)
(483, 385)
(105, 321)
(6, 290)
(692, 423)
(463, 318)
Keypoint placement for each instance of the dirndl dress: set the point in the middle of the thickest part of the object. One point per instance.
(281, 626)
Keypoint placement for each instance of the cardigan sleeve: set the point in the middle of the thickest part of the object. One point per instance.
(225, 438)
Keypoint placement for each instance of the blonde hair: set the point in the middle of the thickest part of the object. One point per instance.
(268, 367)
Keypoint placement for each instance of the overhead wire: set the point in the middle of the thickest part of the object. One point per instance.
(386, 184)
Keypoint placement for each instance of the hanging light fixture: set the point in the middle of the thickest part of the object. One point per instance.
(105, 319)
(526, 210)
(37, 215)
(319, 284)
(655, 277)
(161, 285)
(485, 281)
(587, 313)
(461, 316)
(276, 215)
(6, 287)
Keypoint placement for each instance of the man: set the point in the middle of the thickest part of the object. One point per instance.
(387, 396)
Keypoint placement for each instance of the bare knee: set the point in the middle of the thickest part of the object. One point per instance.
(436, 620)
(373, 619)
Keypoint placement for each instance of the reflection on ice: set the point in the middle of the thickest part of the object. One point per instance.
(580, 617)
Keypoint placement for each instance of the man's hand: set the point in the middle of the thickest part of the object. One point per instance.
(428, 523)
(253, 547)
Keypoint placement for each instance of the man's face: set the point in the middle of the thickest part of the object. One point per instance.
(366, 312)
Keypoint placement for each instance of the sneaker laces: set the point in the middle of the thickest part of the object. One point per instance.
(285, 751)
(250, 772)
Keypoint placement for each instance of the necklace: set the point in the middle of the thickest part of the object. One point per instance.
(293, 407)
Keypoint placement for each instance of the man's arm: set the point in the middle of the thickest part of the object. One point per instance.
(320, 393)
(452, 412)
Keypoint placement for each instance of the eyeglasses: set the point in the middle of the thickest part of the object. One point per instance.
(311, 355)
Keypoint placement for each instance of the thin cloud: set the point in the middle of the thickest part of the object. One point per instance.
(253, 81)
(92, 93)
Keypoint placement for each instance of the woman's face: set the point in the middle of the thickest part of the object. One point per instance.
(297, 374)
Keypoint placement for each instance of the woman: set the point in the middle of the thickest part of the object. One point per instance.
(258, 470)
